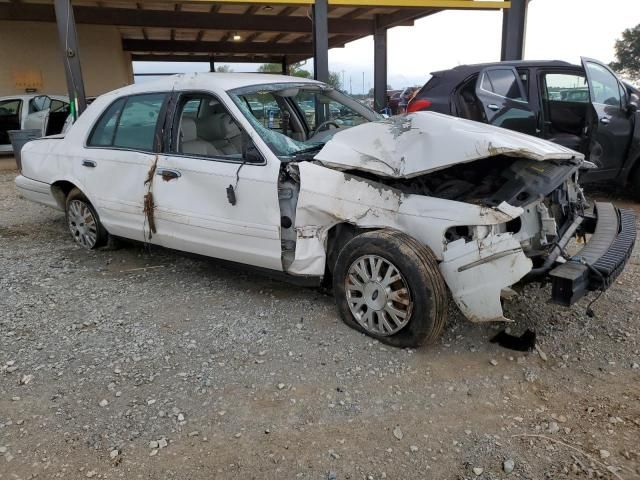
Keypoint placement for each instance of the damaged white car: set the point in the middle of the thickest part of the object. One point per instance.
(290, 175)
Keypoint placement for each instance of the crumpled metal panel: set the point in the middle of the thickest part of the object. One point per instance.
(406, 146)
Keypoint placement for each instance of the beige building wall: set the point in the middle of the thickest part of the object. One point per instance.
(30, 52)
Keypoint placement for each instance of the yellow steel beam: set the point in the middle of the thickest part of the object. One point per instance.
(443, 4)
(453, 4)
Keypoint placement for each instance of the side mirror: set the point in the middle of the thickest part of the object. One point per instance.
(250, 153)
(634, 103)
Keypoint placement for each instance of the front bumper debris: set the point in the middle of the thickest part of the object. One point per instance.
(601, 260)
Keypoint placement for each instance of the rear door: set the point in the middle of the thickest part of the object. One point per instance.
(611, 125)
(10, 114)
(504, 99)
(120, 151)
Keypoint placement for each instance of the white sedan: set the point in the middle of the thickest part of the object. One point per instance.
(43, 112)
(293, 176)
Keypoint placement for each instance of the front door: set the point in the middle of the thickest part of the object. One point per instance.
(214, 193)
(38, 116)
(504, 100)
(611, 125)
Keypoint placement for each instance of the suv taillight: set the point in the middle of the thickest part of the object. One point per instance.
(418, 104)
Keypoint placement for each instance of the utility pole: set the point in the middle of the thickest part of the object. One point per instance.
(364, 92)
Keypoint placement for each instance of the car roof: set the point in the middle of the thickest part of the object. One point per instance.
(466, 70)
(29, 96)
(215, 82)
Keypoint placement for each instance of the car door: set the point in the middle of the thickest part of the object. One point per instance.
(504, 101)
(38, 115)
(611, 124)
(214, 192)
(120, 150)
(10, 115)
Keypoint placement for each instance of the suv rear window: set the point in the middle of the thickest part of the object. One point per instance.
(502, 82)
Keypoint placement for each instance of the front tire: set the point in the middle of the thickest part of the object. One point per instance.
(83, 221)
(388, 286)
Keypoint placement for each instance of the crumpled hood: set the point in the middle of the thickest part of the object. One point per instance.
(405, 146)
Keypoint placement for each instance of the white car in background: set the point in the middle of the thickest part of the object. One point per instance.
(43, 112)
(395, 214)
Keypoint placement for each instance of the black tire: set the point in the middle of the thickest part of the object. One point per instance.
(418, 267)
(89, 235)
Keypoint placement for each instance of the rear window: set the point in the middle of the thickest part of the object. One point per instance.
(502, 82)
(129, 123)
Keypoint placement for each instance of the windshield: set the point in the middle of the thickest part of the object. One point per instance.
(299, 118)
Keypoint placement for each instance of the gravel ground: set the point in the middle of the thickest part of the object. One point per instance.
(158, 365)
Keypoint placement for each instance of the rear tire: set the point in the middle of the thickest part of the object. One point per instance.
(388, 285)
(83, 221)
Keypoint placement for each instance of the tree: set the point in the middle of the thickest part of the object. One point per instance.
(628, 53)
(224, 69)
(335, 81)
(295, 69)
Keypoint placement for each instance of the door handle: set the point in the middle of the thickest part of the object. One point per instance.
(168, 174)
(605, 120)
(493, 106)
(89, 163)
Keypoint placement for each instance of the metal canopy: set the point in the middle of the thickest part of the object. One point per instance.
(256, 31)
(237, 31)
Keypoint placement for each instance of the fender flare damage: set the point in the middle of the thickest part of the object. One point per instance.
(325, 204)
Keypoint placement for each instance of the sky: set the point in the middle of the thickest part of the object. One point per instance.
(556, 30)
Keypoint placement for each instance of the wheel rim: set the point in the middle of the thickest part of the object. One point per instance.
(378, 295)
(82, 224)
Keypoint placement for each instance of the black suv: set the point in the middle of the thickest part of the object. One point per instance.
(585, 108)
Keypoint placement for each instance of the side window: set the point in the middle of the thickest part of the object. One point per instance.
(603, 85)
(129, 123)
(58, 106)
(502, 82)
(565, 87)
(137, 126)
(39, 103)
(105, 130)
(10, 107)
(204, 127)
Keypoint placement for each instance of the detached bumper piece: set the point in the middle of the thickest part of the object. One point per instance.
(601, 260)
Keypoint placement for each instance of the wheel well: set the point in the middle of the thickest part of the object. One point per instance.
(634, 172)
(60, 190)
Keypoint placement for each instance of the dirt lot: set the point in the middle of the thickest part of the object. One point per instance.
(187, 369)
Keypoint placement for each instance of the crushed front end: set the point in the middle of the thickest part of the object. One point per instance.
(555, 234)
(576, 245)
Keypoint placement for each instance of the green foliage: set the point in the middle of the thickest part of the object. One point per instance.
(335, 81)
(295, 69)
(224, 69)
(628, 53)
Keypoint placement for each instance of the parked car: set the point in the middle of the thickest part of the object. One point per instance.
(586, 108)
(394, 213)
(405, 97)
(393, 98)
(43, 112)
